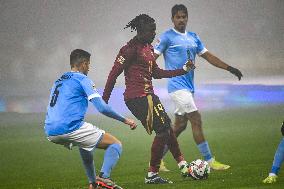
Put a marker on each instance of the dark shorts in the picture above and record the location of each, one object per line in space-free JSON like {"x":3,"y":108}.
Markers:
{"x":150,"y":111}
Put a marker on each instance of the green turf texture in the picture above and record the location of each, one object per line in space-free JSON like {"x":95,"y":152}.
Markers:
{"x":244,"y":138}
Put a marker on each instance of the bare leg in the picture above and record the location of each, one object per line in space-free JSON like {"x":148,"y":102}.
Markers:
{"x":196,"y":125}
{"x":180,"y":124}
{"x":198,"y":135}
{"x":107,"y":140}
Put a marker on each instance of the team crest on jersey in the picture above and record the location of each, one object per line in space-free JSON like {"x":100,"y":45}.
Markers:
{"x":120,"y":59}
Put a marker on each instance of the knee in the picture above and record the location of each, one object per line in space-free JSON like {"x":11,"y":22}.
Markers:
{"x":179,"y":129}
{"x":180,"y":124}
{"x":114,"y":140}
{"x":195,"y":118}
{"x":118,"y":142}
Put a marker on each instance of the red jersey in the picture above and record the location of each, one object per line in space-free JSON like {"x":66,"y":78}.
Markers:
{"x":137,"y":61}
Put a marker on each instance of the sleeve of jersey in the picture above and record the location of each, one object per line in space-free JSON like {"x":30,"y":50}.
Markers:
{"x":89,"y":88}
{"x":119,"y":64}
{"x":105,"y":109}
{"x":159,"y":73}
{"x":200,"y":47}
{"x":161,"y":45}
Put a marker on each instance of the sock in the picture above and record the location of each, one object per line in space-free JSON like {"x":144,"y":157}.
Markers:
{"x":158,"y":149}
{"x":278,"y":158}
{"x":150,"y":174}
{"x":88,"y":162}
{"x":111,"y":157}
{"x":157,"y":153}
{"x":182,"y":163}
{"x":173,"y":146}
{"x":166,"y":149}
{"x":205,"y":150}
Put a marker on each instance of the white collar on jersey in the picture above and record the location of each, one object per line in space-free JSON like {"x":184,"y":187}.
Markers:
{"x":179,"y":32}
{"x":75,"y":71}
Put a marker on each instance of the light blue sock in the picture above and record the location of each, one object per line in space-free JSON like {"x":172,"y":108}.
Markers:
{"x":278,"y":158}
{"x":111,"y":157}
{"x":88,"y":162}
{"x":205,"y":150}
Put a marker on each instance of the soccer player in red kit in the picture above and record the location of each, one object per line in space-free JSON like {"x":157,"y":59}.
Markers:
{"x":137,"y":61}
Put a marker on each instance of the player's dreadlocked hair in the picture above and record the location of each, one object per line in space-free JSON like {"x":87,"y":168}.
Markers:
{"x":139,"y":22}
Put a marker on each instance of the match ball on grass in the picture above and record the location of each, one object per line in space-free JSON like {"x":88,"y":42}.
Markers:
{"x":200,"y":169}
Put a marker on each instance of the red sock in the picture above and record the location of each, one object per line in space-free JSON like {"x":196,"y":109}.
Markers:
{"x":174,"y":146}
{"x":157,"y":152}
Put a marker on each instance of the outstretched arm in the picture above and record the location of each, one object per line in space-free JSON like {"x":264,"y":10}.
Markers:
{"x":215,"y":61}
{"x":122,"y":59}
{"x":111,"y":80}
{"x":105,"y":109}
{"x":159,"y":73}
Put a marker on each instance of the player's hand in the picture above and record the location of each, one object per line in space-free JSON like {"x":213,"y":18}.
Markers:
{"x":188,"y":66}
{"x":235,"y":71}
{"x":131,"y":123}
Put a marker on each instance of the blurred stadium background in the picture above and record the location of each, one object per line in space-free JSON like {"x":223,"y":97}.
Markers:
{"x":208,"y":97}
{"x":38,"y":36}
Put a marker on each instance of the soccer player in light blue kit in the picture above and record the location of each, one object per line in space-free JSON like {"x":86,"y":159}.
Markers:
{"x":64,"y":123}
{"x":177,"y":46}
{"x":278,"y":160}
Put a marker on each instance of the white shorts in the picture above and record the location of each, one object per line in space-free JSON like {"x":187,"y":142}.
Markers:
{"x":184,"y":102}
{"x":86,"y":137}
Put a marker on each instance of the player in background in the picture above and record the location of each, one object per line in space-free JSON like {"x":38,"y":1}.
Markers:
{"x":177,"y":46}
{"x":137,"y":61}
{"x":278,"y":160}
{"x":64,"y":123}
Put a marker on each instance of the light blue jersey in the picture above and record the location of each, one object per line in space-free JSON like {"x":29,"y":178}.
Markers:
{"x":68,"y":103}
{"x":177,"y":48}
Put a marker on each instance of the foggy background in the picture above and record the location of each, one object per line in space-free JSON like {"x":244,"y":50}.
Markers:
{"x":37,"y":36}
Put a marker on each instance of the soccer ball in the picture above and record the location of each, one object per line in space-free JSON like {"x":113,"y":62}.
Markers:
{"x":199,"y":169}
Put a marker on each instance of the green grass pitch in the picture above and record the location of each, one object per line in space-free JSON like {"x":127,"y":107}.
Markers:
{"x":244,"y":138}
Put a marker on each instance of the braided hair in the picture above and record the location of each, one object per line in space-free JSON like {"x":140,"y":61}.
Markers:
{"x":139,"y":22}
